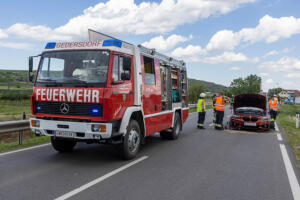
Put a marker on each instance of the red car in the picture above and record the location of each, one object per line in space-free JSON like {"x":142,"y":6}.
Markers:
{"x":250,"y":112}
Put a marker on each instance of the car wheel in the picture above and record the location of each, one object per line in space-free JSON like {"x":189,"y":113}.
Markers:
{"x":173,"y":135}
{"x":62,"y":145}
{"x":132,"y":140}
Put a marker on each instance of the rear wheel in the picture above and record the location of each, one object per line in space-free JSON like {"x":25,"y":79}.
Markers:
{"x":132,"y":140}
{"x":173,"y":135}
{"x":62,"y":145}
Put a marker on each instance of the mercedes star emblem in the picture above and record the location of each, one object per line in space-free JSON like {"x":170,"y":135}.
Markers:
{"x":64,"y":108}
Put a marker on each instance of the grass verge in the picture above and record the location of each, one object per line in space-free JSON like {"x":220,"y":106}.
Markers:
{"x":26,"y":143}
{"x":13,"y":110}
{"x":287,"y":120}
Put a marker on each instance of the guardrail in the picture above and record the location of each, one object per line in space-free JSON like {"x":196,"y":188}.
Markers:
{"x":15,"y":126}
{"x":24,"y":125}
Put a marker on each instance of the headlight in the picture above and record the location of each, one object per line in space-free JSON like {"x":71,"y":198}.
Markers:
{"x":265,"y":118}
{"x":98,"y":128}
{"x":35,"y":123}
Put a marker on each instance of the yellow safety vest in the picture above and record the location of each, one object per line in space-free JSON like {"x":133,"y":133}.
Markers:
{"x":201,"y":105}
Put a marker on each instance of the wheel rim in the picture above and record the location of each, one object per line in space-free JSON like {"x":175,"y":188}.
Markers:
{"x":133,"y":140}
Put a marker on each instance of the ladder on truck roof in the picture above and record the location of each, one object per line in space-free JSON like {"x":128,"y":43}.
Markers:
{"x":96,"y":36}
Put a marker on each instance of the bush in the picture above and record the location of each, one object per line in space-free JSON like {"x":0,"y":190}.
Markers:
{"x":14,"y":95}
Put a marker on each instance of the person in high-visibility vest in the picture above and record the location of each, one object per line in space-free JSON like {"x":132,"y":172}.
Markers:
{"x":273,"y":106}
{"x":201,"y":109}
{"x":220,"y":109}
{"x":214,"y":107}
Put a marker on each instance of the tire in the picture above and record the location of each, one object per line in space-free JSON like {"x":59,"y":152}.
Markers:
{"x":132,"y":140}
{"x":62,"y":145}
{"x":173,"y":135}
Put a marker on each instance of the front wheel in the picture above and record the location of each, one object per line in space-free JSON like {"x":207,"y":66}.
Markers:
{"x":62,"y":145}
{"x":132,"y":140}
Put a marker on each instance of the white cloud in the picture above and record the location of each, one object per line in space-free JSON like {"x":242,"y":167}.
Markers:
{"x":236,"y":68}
{"x":293,"y":75}
{"x":223,"y":40}
{"x":268,"y":30}
{"x":285,"y":64}
{"x":126,"y":17}
{"x":264,"y":74}
{"x":2,"y":34}
{"x":226,"y":57}
{"x":190,"y":53}
{"x":275,"y":52}
{"x":269,"y":80}
{"x":16,"y":45}
{"x":162,"y":44}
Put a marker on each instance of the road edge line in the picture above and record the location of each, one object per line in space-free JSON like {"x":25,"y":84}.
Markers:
{"x":23,"y":149}
{"x":290,"y":172}
{"x":98,"y":180}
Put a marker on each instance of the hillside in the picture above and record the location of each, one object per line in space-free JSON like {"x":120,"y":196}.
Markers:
{"x":12,"y":78}
{"x":208,"y":86}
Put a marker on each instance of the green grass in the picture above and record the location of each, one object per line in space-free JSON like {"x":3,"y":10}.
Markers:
{"x":287,"y":121}
{"x":13,"y":87}
{"x":13,"y":110}
{"x":26,"y":143}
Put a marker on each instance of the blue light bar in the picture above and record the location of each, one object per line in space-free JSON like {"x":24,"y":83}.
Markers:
{"x":116,"y":43}
{"x":50,"y":45}
{"x":39,"y":108}
{"x":95,"y":110}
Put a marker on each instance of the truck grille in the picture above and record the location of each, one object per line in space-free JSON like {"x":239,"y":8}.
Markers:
{"x":66,"y":108}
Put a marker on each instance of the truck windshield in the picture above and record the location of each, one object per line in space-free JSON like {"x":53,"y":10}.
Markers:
{"x":73,"y":68}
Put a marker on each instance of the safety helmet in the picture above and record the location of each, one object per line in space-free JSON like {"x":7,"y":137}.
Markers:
{"x":202,"y":95}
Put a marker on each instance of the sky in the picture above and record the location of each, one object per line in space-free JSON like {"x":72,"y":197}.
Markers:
{"x":220,"y":40}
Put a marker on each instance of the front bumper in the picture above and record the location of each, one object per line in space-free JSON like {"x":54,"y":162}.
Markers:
{"x":240,"y":124}
{"x":81,"y":130}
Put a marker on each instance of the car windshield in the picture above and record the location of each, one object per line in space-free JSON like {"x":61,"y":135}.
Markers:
{"x":249,"y":111}
{"x":76,"y":68}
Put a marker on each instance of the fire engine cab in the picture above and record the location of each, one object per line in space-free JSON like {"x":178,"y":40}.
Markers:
{"x":107,"y":91}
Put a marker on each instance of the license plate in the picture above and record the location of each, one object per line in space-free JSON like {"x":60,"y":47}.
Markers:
{"x":63,"y":134}
{"x":249,"y":124}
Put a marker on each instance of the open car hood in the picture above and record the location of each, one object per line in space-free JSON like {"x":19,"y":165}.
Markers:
{"x":250,"y":100}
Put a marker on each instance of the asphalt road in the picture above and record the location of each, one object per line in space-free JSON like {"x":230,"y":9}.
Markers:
{"x":201,"y":164}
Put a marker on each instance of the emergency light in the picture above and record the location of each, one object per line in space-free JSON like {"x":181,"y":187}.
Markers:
{"x":50,"y":45}
{"x":95,"y":110}
{"x":39,"y":108}
{"x":113,"y":42}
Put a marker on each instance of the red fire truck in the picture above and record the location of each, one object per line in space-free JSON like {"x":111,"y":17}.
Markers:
{"x":107,"y":91}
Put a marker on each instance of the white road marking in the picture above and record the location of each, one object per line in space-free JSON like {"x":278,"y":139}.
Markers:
{"x":211,"y":124}
{"x":100,"y":179}
{"x":276,"y":127}
{"x":279,"y":137}
{"x":290,"y":172}
{"x":25,"y":149}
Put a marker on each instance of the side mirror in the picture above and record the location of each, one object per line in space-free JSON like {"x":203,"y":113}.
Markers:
{"x":127,"y":64}
{"x":31,"y":77}
{"x":30,"y":64}
{"x":125,"y":77}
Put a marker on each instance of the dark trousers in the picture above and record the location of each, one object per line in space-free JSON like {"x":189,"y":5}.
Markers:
{"x":219,"y":117}
{"x":273,"y":114}
{"x":201,"y":118}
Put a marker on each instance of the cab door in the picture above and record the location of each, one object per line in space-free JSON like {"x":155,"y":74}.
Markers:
{"x":121,"y":84}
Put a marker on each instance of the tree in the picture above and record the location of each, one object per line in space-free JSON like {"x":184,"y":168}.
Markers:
{"x":194,"y":92}
{"x":273,"y":91}
{"x":249,"y":85}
